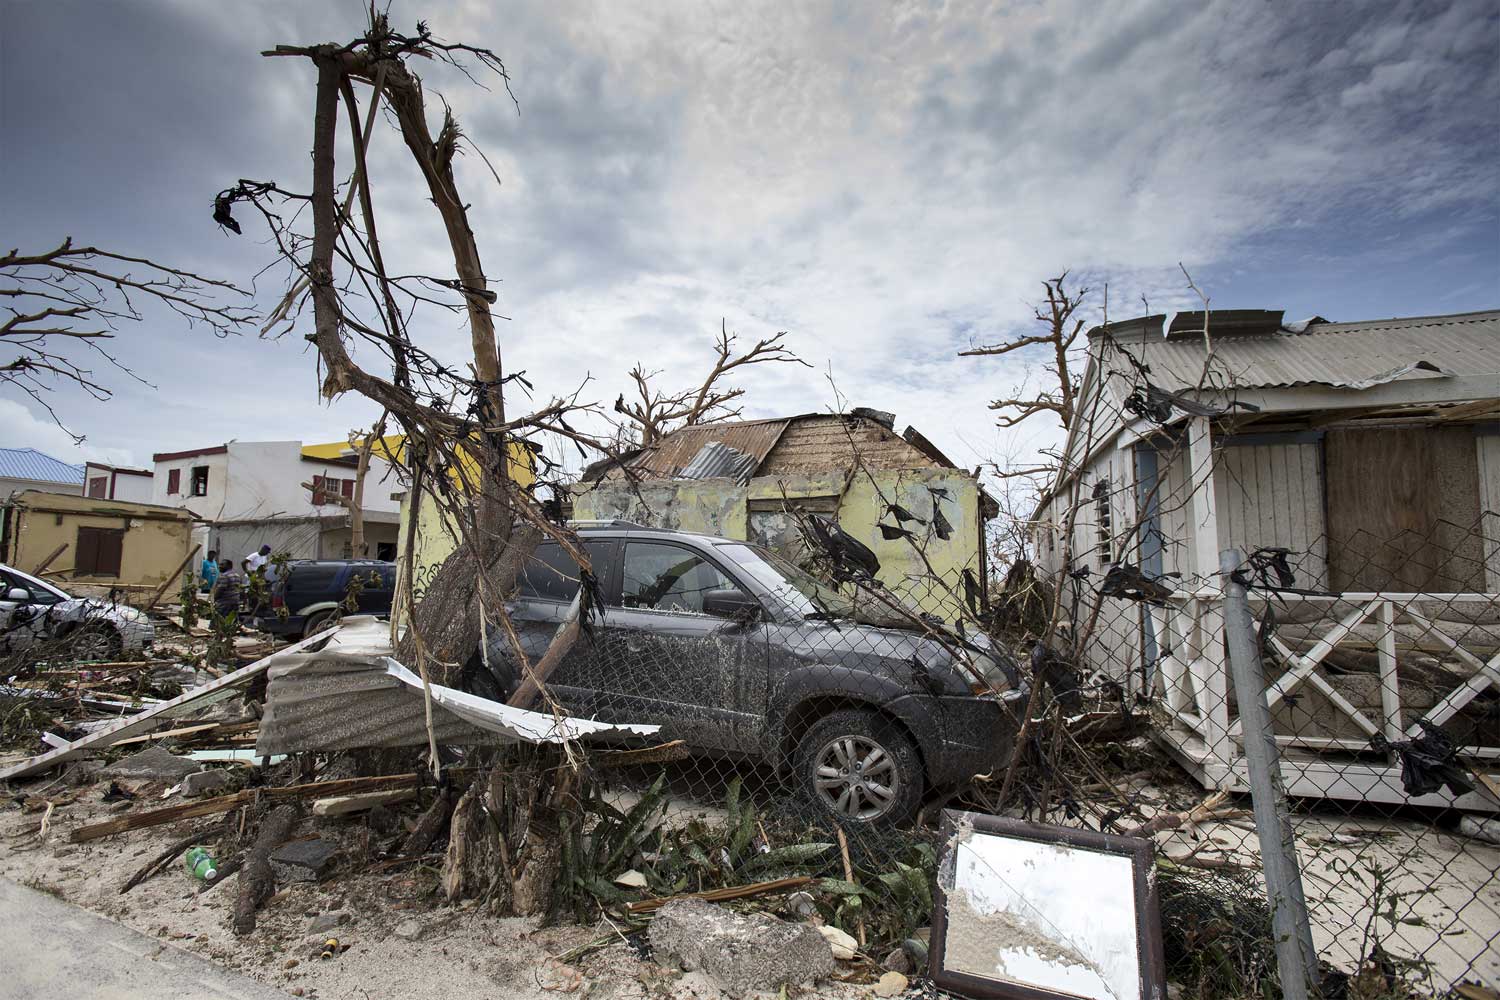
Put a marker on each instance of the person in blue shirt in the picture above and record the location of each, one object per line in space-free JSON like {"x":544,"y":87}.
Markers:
{"x":209,"y":571}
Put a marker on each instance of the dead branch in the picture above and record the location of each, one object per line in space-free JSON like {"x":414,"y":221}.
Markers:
{"x":257,"y":881}
{"x":1062,"y":330}
{"x":68,"y":301}
{"x":654,"y":411}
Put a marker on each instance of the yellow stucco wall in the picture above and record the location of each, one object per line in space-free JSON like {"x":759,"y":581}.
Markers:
{"x":724,"y":507}
{"x":436,"y":537}
{"x":156,"y":538}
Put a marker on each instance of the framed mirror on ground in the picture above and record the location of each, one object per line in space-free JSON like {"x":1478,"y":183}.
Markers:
{"x":1023,"y":911}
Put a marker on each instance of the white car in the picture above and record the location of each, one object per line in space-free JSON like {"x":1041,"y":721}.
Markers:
{"x":34,"y":613}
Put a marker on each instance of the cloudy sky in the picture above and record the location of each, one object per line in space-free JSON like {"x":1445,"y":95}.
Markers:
{"x":889,"y":183}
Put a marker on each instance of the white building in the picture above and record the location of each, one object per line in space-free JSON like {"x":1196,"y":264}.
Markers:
{"x":251,"y":493}
{"x":115,"y":482}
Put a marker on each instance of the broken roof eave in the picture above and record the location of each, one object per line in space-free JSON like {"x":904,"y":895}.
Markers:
{"x":1409,"y":386}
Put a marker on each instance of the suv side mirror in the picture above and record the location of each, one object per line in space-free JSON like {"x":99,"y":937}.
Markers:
{"x":733,"y":604}
{"x":19,"y":594}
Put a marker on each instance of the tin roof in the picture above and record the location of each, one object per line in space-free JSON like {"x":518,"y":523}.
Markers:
{"x":1264,"y":354}
{"x":28,"y":463}
{"x":675,"y":452}
{"x":806,"y":444}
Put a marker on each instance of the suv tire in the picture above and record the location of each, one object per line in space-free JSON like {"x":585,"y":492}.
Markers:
{"x":317,"y":622}
{"x":861,"y":768}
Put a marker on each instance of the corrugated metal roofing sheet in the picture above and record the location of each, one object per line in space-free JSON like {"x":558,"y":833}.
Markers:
{"x":677,"y":450}
{"x":717,"y":460}
{"x":28,"y":463}
{"x":1351,"y":355}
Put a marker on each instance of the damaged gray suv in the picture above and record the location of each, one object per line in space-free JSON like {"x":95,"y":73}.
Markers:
{"x":741,"y":654}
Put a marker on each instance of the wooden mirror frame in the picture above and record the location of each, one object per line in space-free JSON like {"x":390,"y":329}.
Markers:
{"x":1147,"y":914}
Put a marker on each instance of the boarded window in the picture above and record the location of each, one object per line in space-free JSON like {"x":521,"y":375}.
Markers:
{"x":174,"y":482}
{"x":98,"y":551}
{"x":1403,"y":507}
{"x":99,"y":487}
{"x":200,"y":481}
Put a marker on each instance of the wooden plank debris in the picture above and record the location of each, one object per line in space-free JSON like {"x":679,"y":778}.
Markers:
{"x":224,"y":803}
{"x":726,"y":894}
{"x":147,"y":720}
{"x":340,"y":805}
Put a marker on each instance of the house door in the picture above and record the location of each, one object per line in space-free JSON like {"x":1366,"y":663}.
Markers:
{"x":1403,"y":508}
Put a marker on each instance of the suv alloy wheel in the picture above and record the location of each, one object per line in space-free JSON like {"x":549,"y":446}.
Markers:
{"x":860,"y":768}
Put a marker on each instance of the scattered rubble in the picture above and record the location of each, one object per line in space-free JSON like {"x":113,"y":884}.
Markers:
{"x":741,"y":952}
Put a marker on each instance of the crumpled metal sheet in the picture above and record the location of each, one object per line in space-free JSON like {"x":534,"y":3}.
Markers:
{"x":353,"y":694}
{"x":717,"y":460}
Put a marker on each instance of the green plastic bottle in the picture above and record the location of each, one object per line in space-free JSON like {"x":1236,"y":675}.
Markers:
{"x":200,"y":864}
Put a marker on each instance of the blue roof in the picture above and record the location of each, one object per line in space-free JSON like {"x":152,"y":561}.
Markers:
{"x":28,"y":463}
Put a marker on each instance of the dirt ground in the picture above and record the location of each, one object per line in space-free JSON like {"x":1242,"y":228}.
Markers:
{"x":396,"y":941}
{"x":1439,"y":897}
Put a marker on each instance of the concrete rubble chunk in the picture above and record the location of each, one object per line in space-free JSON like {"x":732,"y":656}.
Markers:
{"x":408,"y":930}
{"x":303,"y":860}
{"x":204,"y":782}
{"x":742,"y":953}
{"x":156,"y":764}
{"x":890,"y":985}
{"x":326,"y":921}
{"x":844,"y":947}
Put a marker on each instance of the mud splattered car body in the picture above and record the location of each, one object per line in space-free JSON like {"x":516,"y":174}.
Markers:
{"x":742,"y":655}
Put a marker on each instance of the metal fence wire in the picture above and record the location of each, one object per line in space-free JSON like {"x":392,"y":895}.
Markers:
{"x":1384,"y":706}
{"x":819,"y":738}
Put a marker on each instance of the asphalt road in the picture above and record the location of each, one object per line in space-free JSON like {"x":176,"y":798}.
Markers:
{"x":51,"y":950}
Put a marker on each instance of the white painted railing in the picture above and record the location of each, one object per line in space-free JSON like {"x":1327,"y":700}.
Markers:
{"x":1190,"y":682}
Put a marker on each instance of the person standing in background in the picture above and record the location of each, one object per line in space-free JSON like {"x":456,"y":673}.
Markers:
{"x":208,"y":572}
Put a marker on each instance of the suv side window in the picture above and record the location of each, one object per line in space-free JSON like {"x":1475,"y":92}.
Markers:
{"x":668,"y":578}
{"x":552,"y":575}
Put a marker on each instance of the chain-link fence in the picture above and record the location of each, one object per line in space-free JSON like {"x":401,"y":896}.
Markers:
{"x":1384,"y":705}
{"x":817,"y":724}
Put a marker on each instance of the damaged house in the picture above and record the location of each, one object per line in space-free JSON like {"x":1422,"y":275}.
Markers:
{"x":251,"y":493}
{"x":1371,"y":452}
{"x":922,"y":516}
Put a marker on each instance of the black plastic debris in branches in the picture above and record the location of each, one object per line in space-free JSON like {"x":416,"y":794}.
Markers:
{"x":1128,"y":582}
{"x":848,"y":558}
{"x":1428,"y":762}
{"x":1050,"y":669}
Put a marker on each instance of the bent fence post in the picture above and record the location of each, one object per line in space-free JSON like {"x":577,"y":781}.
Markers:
{"x":1295,"y":956}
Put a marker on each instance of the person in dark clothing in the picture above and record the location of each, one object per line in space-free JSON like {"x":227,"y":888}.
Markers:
{"x":228,"y":589}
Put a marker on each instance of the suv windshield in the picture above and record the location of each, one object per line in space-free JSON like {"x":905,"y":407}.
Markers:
{"x":805,"y":593}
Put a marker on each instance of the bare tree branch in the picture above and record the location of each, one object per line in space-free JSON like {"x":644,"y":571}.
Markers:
{"x":66,"y":300}
{"x":654,"y":411}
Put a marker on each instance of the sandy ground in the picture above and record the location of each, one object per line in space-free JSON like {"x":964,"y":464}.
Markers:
{"x":440,"y":951}
{"x":1441,"y":888}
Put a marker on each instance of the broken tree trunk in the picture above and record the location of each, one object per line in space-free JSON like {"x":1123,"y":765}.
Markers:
{"x":257,"y":881}
{"x":429,"y":826}
{"x":446,"y":622}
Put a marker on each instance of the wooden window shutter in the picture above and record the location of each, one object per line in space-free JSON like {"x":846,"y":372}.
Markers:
{"x":318,"y":498}
{"x":347,"y":487}
{"x":111,"y":547}
{"x":174,"y":482}
{"x":98,"y":488}
{"x":86,"y":554}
